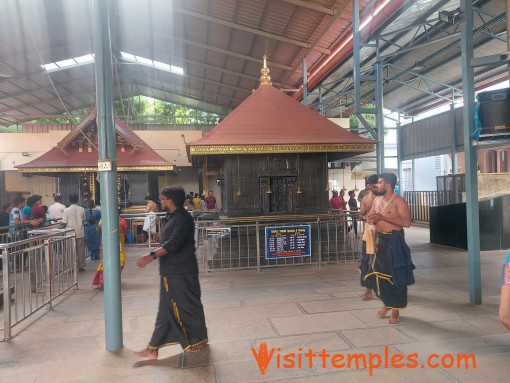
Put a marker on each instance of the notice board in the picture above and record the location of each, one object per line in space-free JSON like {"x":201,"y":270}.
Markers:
{"x":288,"y":241}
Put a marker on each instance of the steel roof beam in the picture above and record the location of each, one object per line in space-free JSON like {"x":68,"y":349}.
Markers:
{"x":312,"y":6}
{"x":450,"y":46}
{"x":255,"y":31}
{"x":45,"y":88}
{"x":503,"y":73}
{"x":417,"y":46}
{"x":181,"y":92}
{"x":298,"y":65}
{"x":225,"y":52}
{"x":213,"y":107}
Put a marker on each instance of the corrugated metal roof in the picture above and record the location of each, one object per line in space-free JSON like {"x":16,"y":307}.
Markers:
{"x":220,"y":44}
{"x":415,"y":80}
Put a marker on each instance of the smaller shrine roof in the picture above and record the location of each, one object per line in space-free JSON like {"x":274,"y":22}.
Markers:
{"x":269,"y":121}
{"x":77,"y":152}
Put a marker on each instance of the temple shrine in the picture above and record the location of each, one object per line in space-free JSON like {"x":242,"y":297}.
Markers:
{"x":73,"y":162}
{"x":271,"y":154}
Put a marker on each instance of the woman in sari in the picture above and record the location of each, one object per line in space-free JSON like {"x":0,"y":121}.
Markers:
{"x":93,"y":236}
{"x":123,"y":227}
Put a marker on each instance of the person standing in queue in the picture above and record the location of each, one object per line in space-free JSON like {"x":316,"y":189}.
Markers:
{"x":392,"y":265}
{"x":334,"y":202}
{"x":353,"y":210}
{"x":180,"y":317}
{"x":210,"y":201}
{"x":73,"y":218}
{"x":368,"y":238}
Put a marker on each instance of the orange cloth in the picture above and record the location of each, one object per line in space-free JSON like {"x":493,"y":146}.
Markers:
{"x":123,"y":228}
{"x":369,"y":238}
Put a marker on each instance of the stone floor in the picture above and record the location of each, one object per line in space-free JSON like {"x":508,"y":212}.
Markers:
{"x":290,"y":310}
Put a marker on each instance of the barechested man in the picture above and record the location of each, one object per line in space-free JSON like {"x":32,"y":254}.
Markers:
{"x":390,"y":214}
{"x":366,"y":257}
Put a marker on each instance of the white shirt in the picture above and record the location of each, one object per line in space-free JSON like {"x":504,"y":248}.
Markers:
{"x":56,"y":210}
{"x":73,"y":217}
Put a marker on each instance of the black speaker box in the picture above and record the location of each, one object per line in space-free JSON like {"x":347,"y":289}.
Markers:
{"x":494,"y":111}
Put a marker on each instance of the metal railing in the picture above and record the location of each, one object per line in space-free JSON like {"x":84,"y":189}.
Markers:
{"x":137,"y":222}
{"x":333,"y":238}
{"x":420,"y":201}
{"x":245,"y":246}
{"x":38,"y":266}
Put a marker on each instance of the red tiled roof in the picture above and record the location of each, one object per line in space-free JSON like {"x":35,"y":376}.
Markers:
{"x":138,"y":156}
{"x":270,"y":117}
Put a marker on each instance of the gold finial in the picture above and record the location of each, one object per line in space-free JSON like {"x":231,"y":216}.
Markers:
{"x":265,"y":79}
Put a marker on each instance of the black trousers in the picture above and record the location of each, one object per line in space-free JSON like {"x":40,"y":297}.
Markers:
{"x":180,"y":316}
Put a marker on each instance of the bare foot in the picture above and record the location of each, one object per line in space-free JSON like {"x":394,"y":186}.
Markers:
{"x":147,"y":353}
{"x":198,"y":348}
{"x":367,"y":295}
{"x":394,"y":318}
{"x":382,"y":312}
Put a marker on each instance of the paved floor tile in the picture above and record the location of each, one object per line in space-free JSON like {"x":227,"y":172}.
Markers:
{"x":376,"y":337}
{"x":316,"y":323}
{"x":298,"y":343}
{"x":288,"y":309}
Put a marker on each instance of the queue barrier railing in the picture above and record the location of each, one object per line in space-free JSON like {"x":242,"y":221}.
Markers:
{"x":38,"y":265}
{"x":151,"y":221}
{"x":332,"y":239}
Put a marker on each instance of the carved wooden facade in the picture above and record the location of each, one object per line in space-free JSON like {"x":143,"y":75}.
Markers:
{"x":273,"y":183}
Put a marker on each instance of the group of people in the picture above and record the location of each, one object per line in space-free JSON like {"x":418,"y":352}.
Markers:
{"x":197,"y":202}
{"x":338,"y":204}
{"x":18,"y":217}
{"x":386,"y":266}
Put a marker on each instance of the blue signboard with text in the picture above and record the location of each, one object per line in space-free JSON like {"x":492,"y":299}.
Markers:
{"x":288,"y":241}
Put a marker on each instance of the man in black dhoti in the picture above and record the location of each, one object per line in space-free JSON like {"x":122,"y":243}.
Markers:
{"x":180,"y":316}
{"x":392,"y":266}
{"x":367,"y":252}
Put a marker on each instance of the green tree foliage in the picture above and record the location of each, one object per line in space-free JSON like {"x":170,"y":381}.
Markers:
{"x":153,"y":110}
{"x":63,"y":120}
{"x":141,"y":108}
{"x":357,"y":127}
{"x":10,"y":129}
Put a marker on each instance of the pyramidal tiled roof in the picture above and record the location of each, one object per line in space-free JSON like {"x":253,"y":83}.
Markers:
{"x":72,"y":154}
{"x":270,"y":121}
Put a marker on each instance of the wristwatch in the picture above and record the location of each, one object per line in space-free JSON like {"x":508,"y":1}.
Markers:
{"x":153,"y":253}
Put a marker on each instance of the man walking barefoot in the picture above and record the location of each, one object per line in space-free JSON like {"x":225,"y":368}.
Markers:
{"x":180,"y":317}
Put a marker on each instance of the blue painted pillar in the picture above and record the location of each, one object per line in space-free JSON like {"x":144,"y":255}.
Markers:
{"x":399,"y":153}
{"x":305,"y":82}
{"x":470,"y":158}
{"x":108,"y":175}
{"x":379,"y":96}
